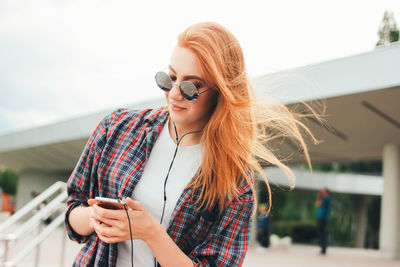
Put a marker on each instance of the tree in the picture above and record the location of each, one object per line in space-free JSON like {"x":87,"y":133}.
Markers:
{"x":388,"y":31}
{"x":8,"y":181}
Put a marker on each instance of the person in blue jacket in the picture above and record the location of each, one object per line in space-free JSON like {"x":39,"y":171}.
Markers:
{"x":322,"y":215}
{"x":263,"y":226}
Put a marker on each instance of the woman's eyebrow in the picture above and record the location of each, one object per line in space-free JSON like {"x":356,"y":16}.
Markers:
{"x":188,"y":77}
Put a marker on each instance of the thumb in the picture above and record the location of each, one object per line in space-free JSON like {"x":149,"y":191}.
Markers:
{"x":134,"y":205}
{"x":91,"y":202}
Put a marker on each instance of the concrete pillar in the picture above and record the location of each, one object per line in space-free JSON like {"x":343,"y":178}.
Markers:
{"x":389,"y":236}
{"x":361,"y":220}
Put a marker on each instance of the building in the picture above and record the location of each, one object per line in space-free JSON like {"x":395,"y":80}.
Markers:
{"x":361,"y":94}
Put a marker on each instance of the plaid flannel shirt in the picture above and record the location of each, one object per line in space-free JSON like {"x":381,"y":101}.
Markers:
{"x":111,"y":165}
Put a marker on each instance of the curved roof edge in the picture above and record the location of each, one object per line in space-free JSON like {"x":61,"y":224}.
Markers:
{"x":66,"y":130}
{"x":336,"y":182}
{"x":373,"y":70}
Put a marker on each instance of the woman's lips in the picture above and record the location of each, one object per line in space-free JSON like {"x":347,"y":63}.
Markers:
{"x":176,"y":108}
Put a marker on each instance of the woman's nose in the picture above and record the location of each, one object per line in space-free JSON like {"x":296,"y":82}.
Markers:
{"x":175,"y":92}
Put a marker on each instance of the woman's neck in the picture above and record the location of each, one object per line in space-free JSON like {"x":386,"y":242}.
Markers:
{"x":190,"y":139}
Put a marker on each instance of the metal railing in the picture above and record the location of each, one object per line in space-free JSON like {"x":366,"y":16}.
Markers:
{"x":38,"y":212}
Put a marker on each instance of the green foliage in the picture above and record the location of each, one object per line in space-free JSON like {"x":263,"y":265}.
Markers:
{"x":374,"y":209}
{"x":296,"y":205}
{"x":299,"y":206}
{"x":304,"y":231}
{"x":299,"y":231}
{"x":293,"y":214}
{"x":341,"y":220}
{"x":8,"y":181}
{"x":388,"y":31}
{"x":394,"y":36}
{"x":366,"y":167}
{"x":281,"y":228}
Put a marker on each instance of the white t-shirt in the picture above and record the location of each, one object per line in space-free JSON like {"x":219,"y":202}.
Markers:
{"x":150,"y":190}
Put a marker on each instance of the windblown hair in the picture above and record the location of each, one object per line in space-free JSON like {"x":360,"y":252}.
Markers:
{"x":237,"y":137}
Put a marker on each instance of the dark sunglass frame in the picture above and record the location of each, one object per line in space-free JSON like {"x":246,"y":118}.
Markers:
{"x":188,"y":90}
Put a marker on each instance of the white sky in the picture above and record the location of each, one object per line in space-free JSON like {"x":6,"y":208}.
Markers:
{"x":61,"y":59}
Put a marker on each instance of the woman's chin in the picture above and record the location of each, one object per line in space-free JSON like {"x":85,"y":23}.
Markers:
{"x":175,"y":118}
{"x":177,"y":114}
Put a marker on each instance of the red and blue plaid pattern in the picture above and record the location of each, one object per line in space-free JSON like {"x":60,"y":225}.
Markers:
{"x":111,"y":165}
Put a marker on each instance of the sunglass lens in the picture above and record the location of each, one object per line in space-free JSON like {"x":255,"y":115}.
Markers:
{"x":163,"y":81}
{"x":189,"y":91}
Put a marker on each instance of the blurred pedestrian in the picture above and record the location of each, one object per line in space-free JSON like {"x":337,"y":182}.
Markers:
{"x":263,"y":226}
{"x":322,"y":215}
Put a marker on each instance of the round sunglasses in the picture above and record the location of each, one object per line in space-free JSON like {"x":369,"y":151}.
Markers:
{"x":188,"y":90}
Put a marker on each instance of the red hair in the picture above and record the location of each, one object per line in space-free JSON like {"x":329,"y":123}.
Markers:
{"x":235,"y":137}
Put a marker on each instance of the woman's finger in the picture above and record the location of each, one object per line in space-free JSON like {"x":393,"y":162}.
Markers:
{"x":102,"y":213}
{"x":135,"y":205}
{"x":120,"y":224}
{"x":109,"y":234}
{"x":109,"y":240}
{"x":98,"y":222}
{"x":104,"y":229}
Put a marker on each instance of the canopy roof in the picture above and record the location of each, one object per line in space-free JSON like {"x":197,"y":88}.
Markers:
{"x":361,"y":94}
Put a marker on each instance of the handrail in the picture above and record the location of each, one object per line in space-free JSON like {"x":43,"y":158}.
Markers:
{"x":32,"y":204}
{"x":36,"y":241}
{"x":58,"y":195}
{"x":35,"y":220}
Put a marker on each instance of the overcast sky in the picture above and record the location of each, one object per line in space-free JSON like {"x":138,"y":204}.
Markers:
{"x":61,"y":59}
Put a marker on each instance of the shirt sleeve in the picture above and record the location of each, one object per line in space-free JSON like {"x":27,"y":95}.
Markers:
{"x":228,"y":240}
{"x":83,"y":178}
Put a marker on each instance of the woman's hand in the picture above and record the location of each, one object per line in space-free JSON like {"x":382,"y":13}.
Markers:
{"x":112,"y":225}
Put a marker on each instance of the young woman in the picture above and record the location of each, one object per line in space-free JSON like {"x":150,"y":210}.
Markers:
{"x":186,"y":169}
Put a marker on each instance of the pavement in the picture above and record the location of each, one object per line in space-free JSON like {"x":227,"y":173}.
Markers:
{"x":295,"y":255}
{"x":307,"y":255}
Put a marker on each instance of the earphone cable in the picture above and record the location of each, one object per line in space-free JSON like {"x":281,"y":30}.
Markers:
{"x":130,"y":232}
{"x":178,"y":141}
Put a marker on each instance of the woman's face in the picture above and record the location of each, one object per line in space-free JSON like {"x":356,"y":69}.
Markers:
{"x":189,"y":116}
